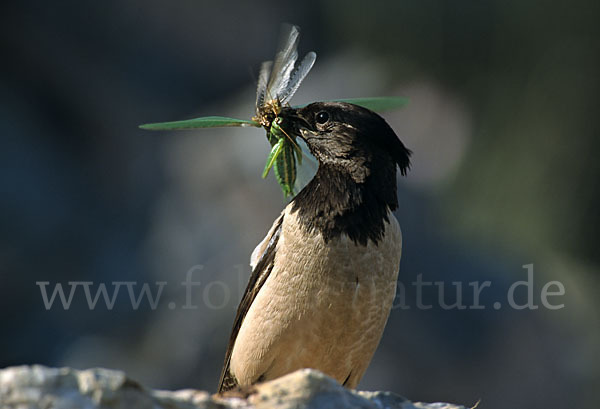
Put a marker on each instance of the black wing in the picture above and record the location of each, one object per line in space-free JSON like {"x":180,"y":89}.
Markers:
{"x":259,"y":275}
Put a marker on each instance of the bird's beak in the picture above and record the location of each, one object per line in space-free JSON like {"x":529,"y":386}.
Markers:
{"x":300,"y":125}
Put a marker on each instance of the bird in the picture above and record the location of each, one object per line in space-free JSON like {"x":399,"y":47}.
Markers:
{"x":324,"y":277}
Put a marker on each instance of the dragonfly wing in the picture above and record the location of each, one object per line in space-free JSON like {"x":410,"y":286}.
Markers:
{"x":297,"y":77}
{"x":204,"y":122}
{"x":261,"y":88}
{"x":284,"y":62}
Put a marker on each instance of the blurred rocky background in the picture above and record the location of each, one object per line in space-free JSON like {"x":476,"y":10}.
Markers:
{"x":504,"y":128}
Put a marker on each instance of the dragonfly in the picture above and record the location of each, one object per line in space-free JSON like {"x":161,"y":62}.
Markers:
{"x":278,"y":81}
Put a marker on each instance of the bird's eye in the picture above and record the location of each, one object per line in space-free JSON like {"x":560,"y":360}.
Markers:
{"x":322,"y":117}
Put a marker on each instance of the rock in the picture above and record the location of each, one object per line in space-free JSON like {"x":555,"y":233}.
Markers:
{"x":33,"y":387}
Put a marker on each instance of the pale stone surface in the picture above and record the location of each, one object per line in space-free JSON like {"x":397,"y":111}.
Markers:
{"x":33,"y":387}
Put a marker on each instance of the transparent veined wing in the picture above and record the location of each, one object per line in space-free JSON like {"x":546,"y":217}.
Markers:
{"x":297,"y":77}
{"x":284,"y":62}
{"x":261,"y":87}
{"x":204,"y":122}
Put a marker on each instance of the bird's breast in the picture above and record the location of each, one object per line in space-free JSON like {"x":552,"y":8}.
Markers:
{"x":323,"y":306}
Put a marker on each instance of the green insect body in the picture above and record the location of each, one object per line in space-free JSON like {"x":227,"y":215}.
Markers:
{"x":284,"y":153}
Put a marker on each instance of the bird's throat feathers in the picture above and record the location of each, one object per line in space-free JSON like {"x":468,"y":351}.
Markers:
{"x":342,"y":199}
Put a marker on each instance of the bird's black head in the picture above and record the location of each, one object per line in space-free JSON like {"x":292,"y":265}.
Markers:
{"x":349,"y":136}
{"x":355,"y":185}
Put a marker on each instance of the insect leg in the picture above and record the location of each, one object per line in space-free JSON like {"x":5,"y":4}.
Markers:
{"x":272,"y":157}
